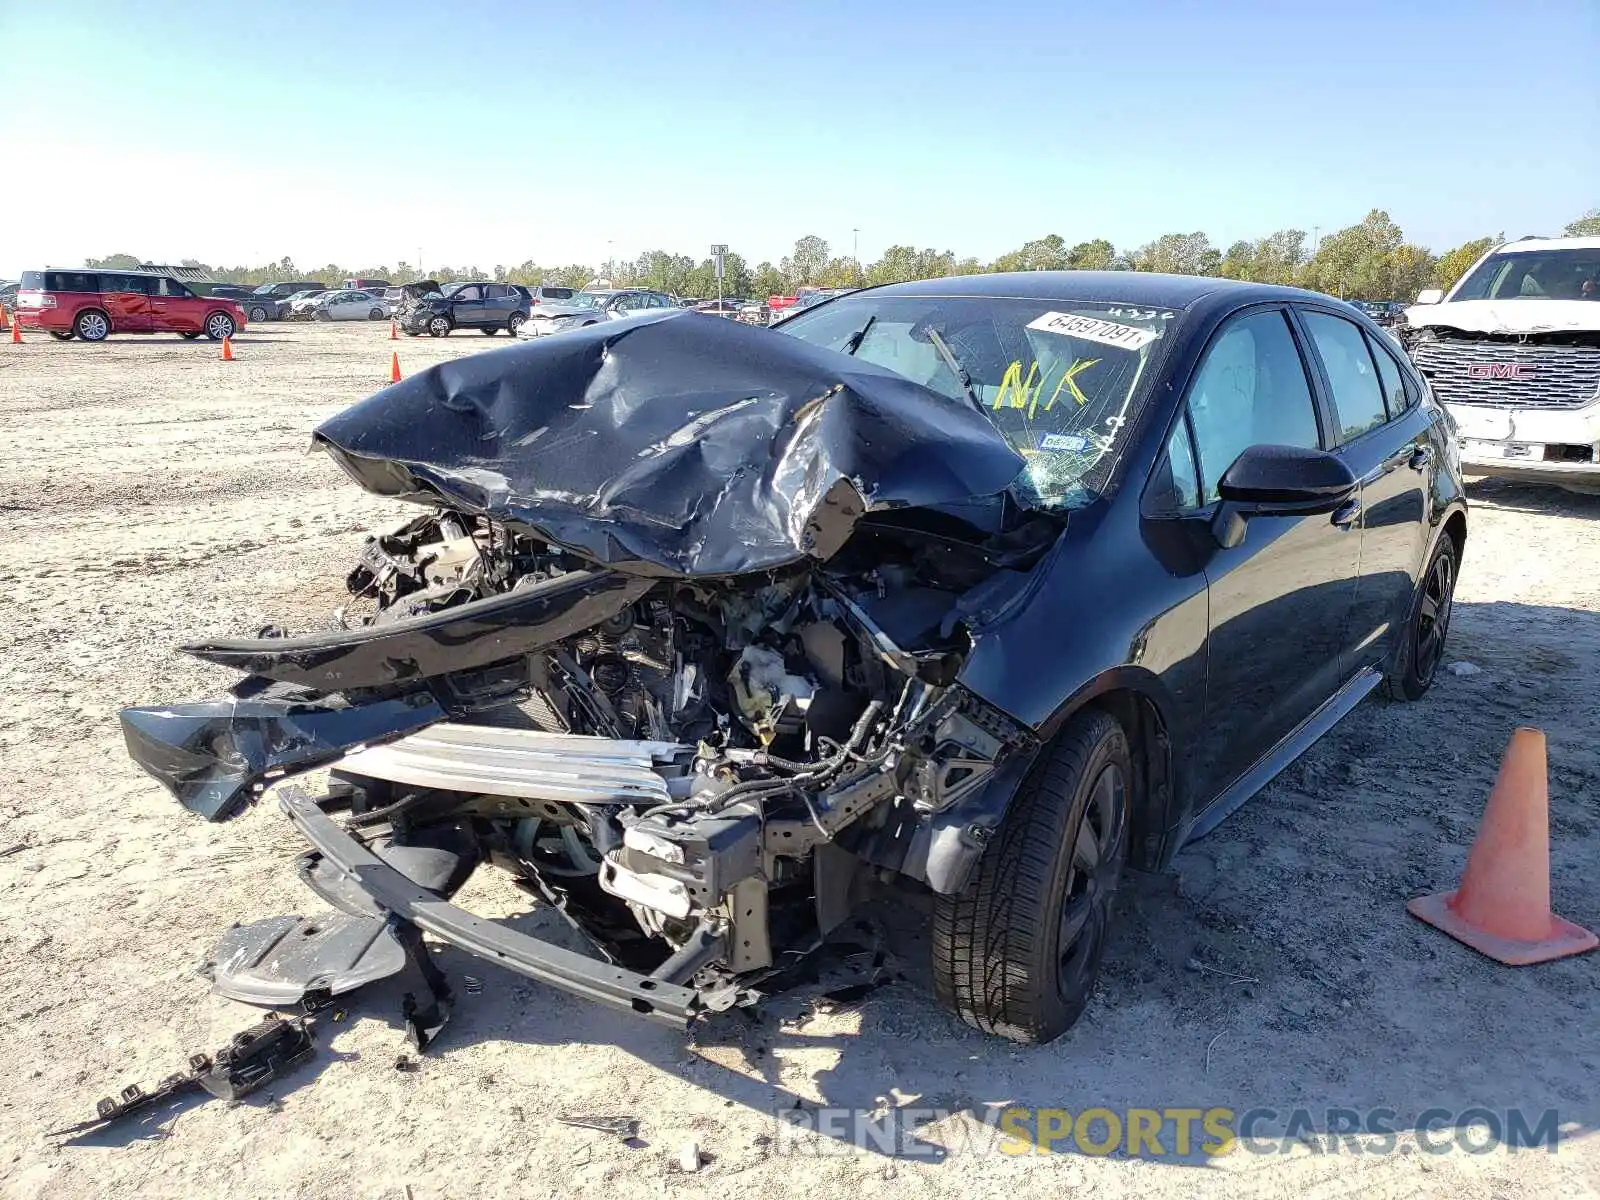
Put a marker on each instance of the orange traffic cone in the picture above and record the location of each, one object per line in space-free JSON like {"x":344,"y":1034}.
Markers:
{"x":1502,"y":908}
{"x":394,"y":331}
{"x":394,"y":367}
{"x":227,"y":349}
{"x":16,"y":331}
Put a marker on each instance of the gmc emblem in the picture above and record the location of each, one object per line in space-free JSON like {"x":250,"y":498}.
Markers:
{"x":1499,"y":371}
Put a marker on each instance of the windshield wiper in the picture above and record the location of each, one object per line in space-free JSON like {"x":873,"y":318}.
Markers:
{"x":853,"y":342}
{"x":956,"y":368}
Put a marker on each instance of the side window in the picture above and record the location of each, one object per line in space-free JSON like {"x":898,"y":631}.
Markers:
{"x":469,"y":293}
{"x":1182,"y":480}
{"x":498,"y":291}
{"x":138,"y":284}
{"x":171,"y":287}
{"x":1250,"y":389}
{"x":1357,"y":398}
{"x":1389,"y":376}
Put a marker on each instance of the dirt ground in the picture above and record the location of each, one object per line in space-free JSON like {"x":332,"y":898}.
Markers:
{"x":152,"y":493}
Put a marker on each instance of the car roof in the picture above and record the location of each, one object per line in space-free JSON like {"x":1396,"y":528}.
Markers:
{"x":1128,"y":287}
{"x":153,"y":273}
{"x":1527,"y":245}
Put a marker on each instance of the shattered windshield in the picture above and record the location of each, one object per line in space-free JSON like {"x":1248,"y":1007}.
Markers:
{"x":1535,"y":275}
{"x":1059,"y":379}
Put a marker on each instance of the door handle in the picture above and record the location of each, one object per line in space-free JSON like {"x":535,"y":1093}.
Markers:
{"x":1421,"y":457}
{"x":1344,"y":516}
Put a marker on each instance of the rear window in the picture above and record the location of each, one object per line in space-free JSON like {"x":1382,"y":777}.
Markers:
{"x":556,"y":293}
{"x":71,"y":281}
{"x":32,"y":281}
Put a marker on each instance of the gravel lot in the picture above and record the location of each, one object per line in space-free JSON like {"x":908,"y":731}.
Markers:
{"x":153,"y":493}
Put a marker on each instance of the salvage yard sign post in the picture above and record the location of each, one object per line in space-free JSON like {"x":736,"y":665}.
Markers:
{"x":717,"y":253}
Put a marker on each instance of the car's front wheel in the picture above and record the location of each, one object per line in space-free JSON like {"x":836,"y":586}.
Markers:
{"x":220,"y":325}
{"x":258,"y":313}
{"x":92,"y":325}
{"x":1421,"y":648}
{"x":375,"y":314}
{"x":438,"y":326}
{"x":1017,"y":953}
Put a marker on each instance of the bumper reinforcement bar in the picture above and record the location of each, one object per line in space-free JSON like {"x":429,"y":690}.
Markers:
{"x":655,"y":999}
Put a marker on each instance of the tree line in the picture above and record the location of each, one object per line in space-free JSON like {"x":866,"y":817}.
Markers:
{"x":1370,"y":260}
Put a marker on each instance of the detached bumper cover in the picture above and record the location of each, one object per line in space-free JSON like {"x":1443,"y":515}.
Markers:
{"x":590,"y":978}
{"x":214,"y":754}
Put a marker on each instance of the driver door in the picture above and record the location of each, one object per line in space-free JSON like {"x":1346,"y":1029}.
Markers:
{"x":467,"y":305}
{"x":1281,"y":602}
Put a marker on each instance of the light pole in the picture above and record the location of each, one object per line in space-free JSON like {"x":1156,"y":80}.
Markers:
{"x":855,"y":251}
{"x":611,"y":263}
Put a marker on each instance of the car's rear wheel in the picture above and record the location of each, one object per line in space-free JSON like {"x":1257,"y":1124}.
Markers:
{"x":258,"y":313}
{"x":375,"y":314}
{"x":220,"y":325}
{"x":1018,"y":952}
{"x":438,"y":326}
{"x":515,"y":324}
{"x":61,"y":336}
{"x":1421,"y":648}
{"x":92,"y":325}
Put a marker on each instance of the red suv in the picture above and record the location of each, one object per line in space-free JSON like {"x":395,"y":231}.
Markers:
{"x":91,"y":304}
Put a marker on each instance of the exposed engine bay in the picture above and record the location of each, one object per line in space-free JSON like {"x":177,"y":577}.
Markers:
{"x":814,"y":708}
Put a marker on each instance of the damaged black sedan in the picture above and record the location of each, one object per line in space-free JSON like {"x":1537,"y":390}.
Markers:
{"x":986,"y":587}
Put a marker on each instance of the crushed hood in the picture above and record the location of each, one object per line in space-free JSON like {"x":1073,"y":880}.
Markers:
{"x":1508,"y":316}
{"x":671,"y":444}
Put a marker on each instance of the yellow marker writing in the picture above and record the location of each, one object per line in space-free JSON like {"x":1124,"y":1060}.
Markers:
{"x":1020,"y":389}
{"x":1071,"y":384}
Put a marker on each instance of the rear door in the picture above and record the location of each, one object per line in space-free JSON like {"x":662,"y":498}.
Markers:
{"x":126,"y":299}
{"x":498,"y":304}
{"x":1382,"y":432}
{"x":1281,"y":599}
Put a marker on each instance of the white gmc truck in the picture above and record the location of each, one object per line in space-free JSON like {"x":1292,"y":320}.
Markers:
{"x":1513,"y":352}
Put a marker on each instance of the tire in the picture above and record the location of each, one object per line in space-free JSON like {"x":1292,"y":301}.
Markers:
{"x":220,"y":325}
{"x":1421,"y":648}
{"x":322,"y":314}
{"x":92,"y":325}
{"x":257,"y":313}
{"x":60,"y":336}
{"x":515,"y":324}
{"x":998,"y":961}
{"x":439,"y":326}
{"x":375,"y":315}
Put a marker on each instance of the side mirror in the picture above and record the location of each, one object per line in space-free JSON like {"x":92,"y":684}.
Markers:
{"x":1279,"y":481}
{"x":1430,"y":296}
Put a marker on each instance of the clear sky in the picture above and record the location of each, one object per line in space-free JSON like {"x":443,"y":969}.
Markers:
{"x":496,"y":133}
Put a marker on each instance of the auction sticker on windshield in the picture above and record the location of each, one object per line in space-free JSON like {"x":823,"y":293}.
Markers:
{"x":1092,"y":329}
